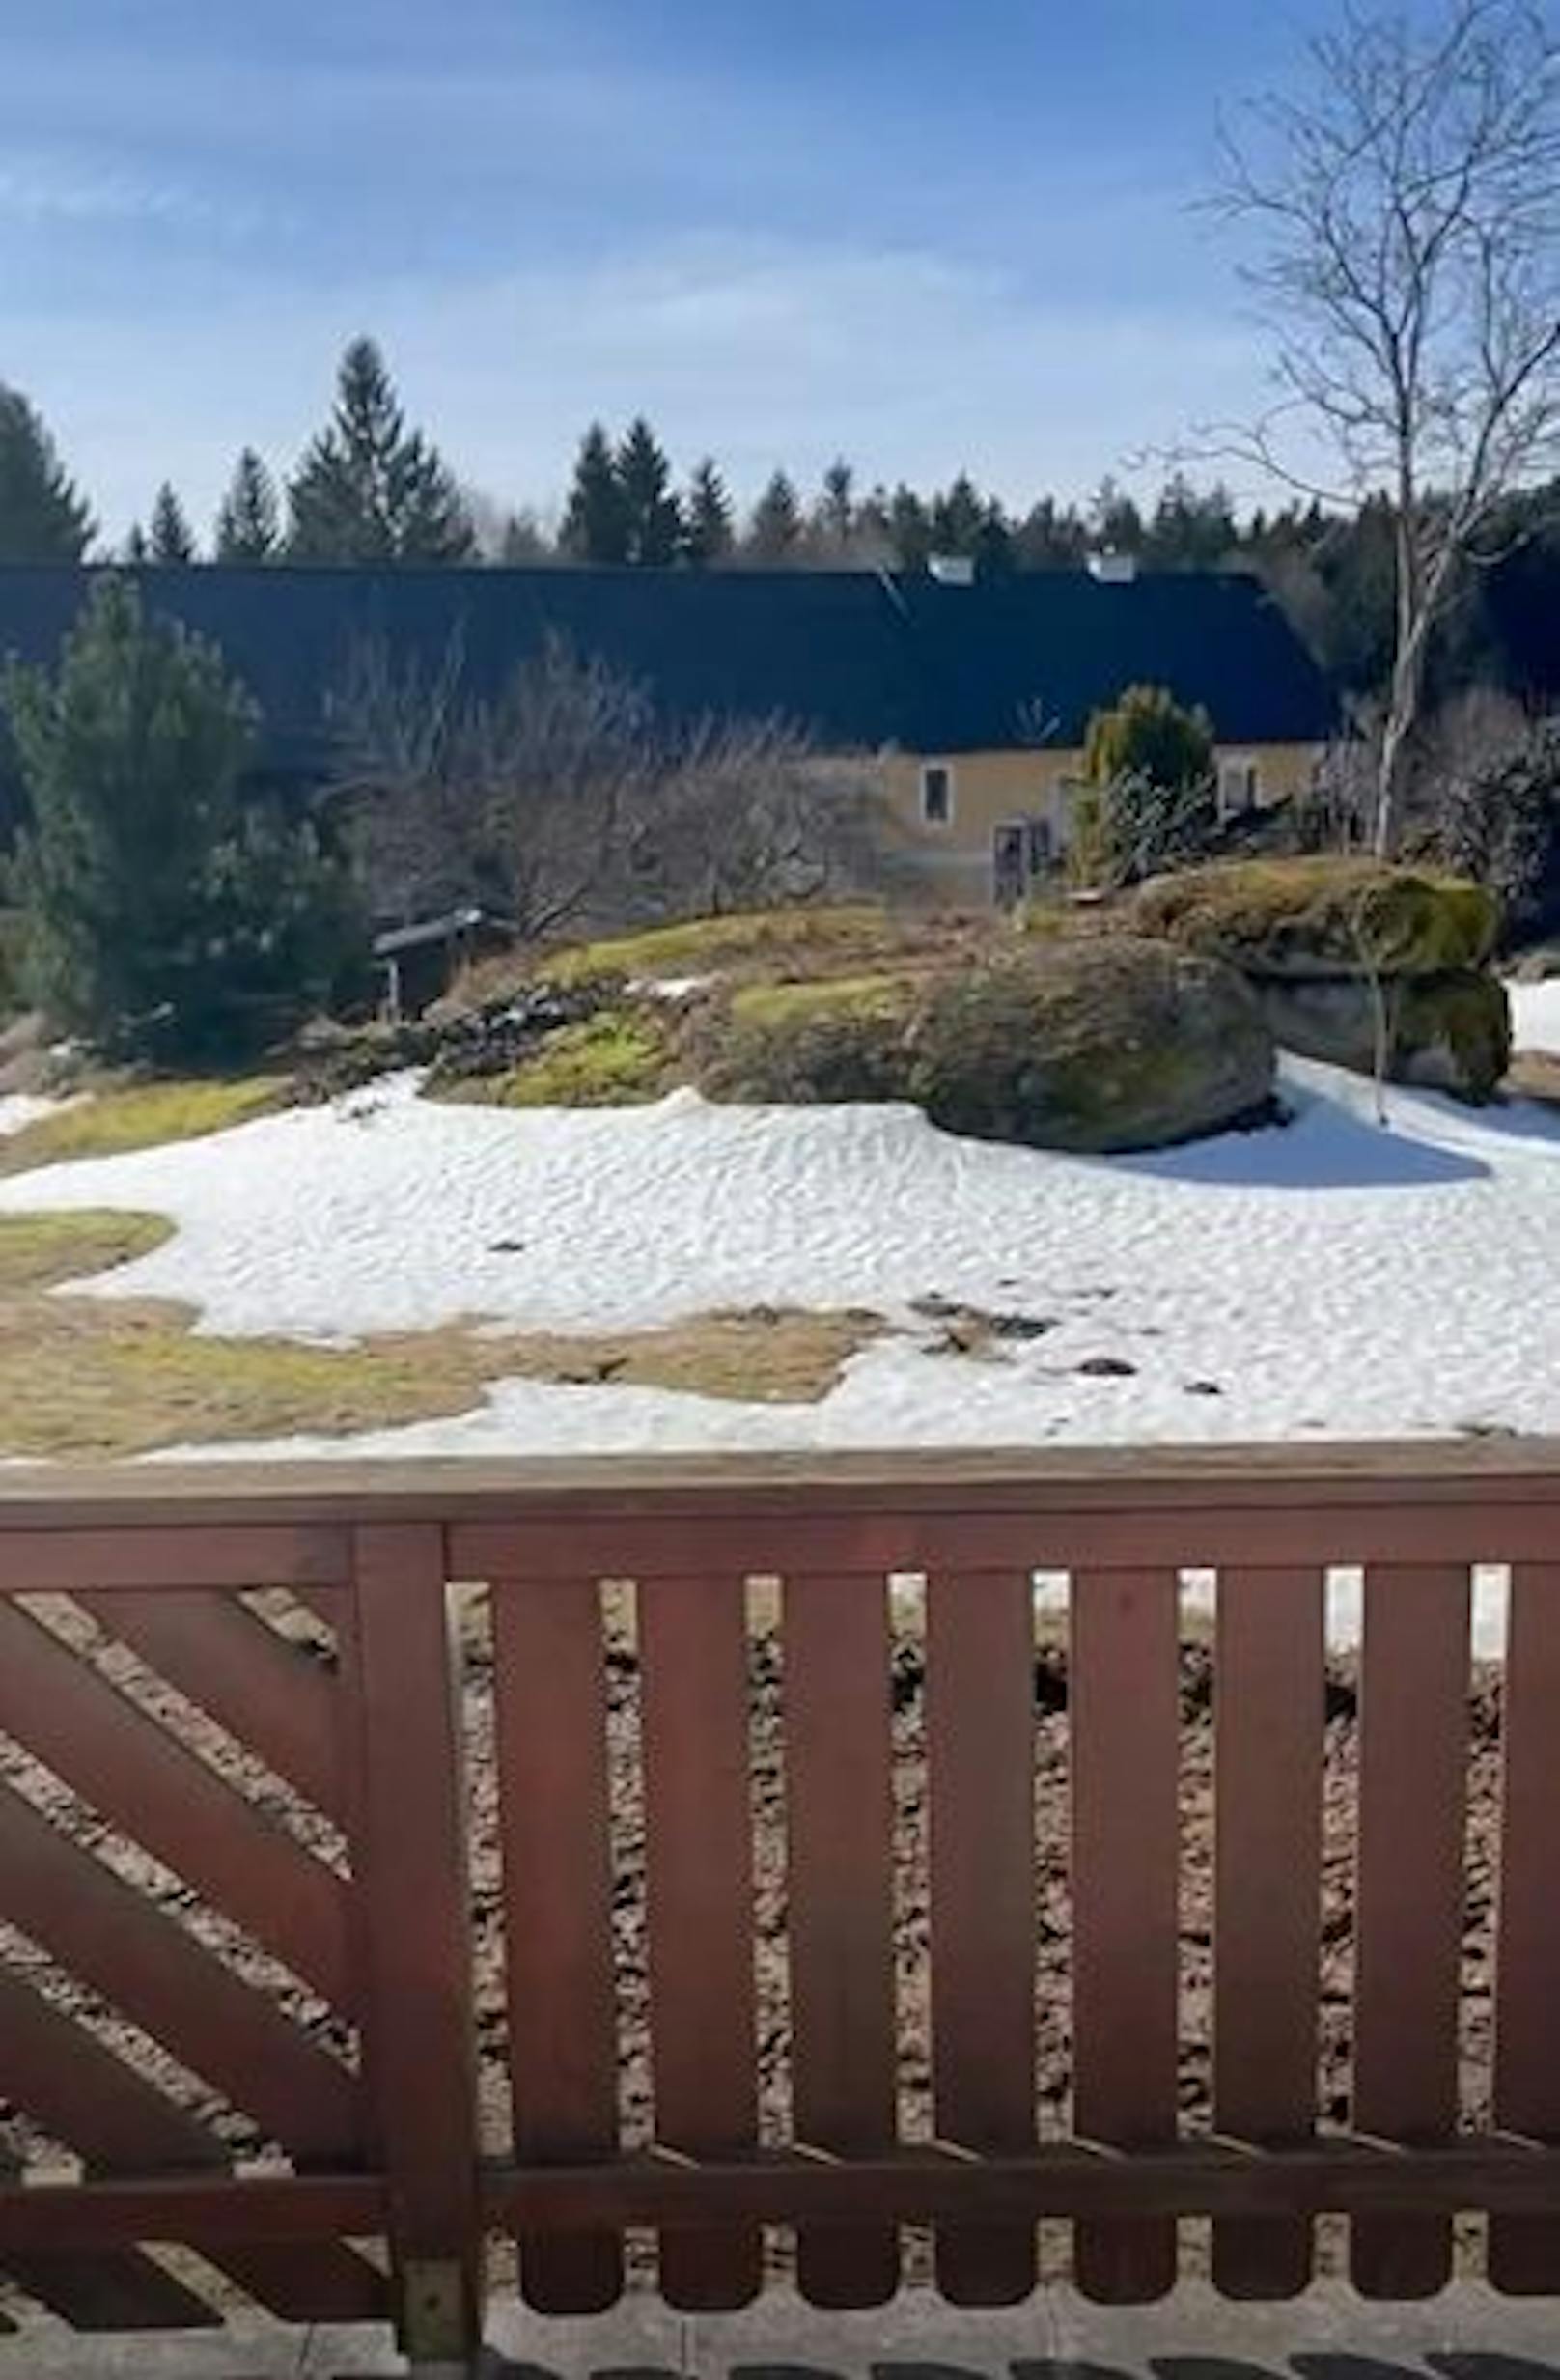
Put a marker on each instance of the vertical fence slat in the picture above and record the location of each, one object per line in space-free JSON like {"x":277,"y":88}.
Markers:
{"x":840,"y":1894}
{"x":1123,"y":1698}
{"x":699,"y":1874}
{"x":1524,"y":2251}
{"x":410,"y":1869}
{"x":1408,"y":1922}
{"x":980,"y":1697}
{"x":552,"y":1715}
{"x":1269,"y":1710}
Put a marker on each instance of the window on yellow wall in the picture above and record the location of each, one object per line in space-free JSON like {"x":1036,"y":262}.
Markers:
{"x":936,"y":795}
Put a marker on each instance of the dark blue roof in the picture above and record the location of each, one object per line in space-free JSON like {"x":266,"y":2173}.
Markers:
{"x":861,"y":659}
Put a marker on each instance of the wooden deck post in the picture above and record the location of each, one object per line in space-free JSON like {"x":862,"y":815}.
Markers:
{"x":411,"y":1868}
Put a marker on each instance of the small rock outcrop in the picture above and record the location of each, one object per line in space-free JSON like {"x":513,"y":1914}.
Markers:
{"x":1337,"y":950}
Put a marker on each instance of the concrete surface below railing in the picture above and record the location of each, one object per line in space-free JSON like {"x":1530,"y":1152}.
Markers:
{"x":1330,"y":2333}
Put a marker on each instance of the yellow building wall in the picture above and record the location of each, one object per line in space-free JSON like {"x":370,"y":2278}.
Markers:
{"x":993,"y":788}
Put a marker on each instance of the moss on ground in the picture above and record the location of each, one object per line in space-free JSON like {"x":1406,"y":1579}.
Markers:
{"x":615,"y":1059}
{"x":126,"y":1116}
{"x":796,"y":1004}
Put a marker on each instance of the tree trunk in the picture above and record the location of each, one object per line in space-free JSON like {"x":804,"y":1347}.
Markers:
{"x":1392,"y":770}
{"x":1416,"y":603}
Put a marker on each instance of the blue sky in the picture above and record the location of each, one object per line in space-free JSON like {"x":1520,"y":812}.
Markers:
{"x":923,"y":233}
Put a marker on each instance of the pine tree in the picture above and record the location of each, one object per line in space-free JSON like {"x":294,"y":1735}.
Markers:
{"x":708,"y":533}
{"x":166,"y":914}
{"x":910,"y":527}
{"x":248,"y":524}
{"x":993,"y":547}
{"x":1117,"y":521}
{"x":137,"y":546}
{"x":171,"y":539}
{"x":774,"y":530}
{"x":654,"y":516}
{"x":523,"y":544}
{"x":370,"y":490}
{"x":837,"y":507}
{"x":1050,"y":537}
{"x":959,"y":518}
{"x":596,"y":519}
{"x":43,"y":517}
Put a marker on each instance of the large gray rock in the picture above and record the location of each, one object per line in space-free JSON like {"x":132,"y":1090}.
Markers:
{"x":1446,"y":1033}
{"x":1093,"y":1045}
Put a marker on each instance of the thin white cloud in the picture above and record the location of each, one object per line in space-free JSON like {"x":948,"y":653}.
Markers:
{"x":54,"y":189}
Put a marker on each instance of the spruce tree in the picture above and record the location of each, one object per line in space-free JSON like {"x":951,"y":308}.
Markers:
{"x":523,"y":543}
{"x":171,"y":539}
{"x":837,"y":506}
{"x":369,"y":490}
{"x":654,"y":517}
{"x":43,"y":517}
{"x":1117,"y":521}
{"x":707,"y":530}
{"x":248,"y":524}
{"x":137,"y":546}
{"x":596,"y":519}
{"x":957,"y":517}
{"x":994,"y":549}
{"x":774,"y":530}
{"x":910,"y":529}
{"x":166,"y":914}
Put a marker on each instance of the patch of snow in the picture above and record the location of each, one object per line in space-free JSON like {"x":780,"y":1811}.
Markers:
{"x":1328,"y":1279}
{"x":19,"y":1108}
{"x":1535,"y":1015}
{"x":671,"y":987}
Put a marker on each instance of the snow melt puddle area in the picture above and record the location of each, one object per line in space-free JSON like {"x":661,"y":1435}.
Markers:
{"x":1329,"y":1278}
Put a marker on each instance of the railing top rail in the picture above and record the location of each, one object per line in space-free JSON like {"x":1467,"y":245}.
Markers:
{"x":1327,"y":1475}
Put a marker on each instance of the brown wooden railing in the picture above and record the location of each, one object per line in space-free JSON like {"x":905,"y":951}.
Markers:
{"x":336,"y":1939}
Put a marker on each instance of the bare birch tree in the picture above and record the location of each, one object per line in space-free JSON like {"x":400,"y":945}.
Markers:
{"x":1407,"y":211}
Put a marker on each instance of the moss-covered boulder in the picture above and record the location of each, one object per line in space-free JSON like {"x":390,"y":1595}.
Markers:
{"x":1445,"y":1032}
{"x":1092,"y":1047}
{"x":806,"y":1044}
{"x":1323,"y":918}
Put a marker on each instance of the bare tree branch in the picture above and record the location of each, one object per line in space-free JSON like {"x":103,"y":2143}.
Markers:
{"x":567,"y":800}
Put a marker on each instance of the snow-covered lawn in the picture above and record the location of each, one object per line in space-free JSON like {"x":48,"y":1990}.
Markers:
{"x":1326,"y":1279}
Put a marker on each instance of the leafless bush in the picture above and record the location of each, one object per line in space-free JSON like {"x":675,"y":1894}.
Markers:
{"x":747,"y":813}
{"x":567,"y":801}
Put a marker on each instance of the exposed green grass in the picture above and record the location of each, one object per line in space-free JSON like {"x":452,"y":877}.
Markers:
{"x":716,"y":943}
{"x":141,"y":1115}
{"x":85,"y":1378}
{"x":40,"y":1251}
{"x":611,"y":1060}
